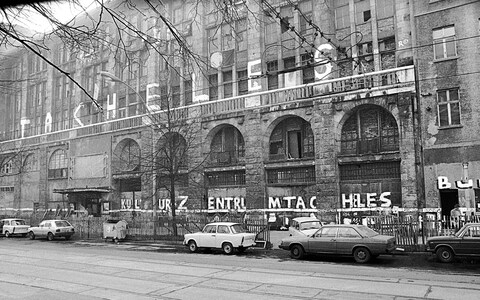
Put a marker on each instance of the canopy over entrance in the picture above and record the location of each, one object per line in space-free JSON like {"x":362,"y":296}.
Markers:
{"x":87,"y":200}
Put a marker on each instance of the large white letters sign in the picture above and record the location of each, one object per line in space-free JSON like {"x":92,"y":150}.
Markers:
{"x":370,"y":200}
{"x":324,"y":67}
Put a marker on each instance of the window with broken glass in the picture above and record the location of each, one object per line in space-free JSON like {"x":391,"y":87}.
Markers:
{"x":292,"y":139}
{"x":369,"y":130}
{"x":228,"y":146}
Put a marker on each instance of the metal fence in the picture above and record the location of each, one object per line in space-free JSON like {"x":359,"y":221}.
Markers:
{"x":161,"y":228}
{"x":412,"y":234}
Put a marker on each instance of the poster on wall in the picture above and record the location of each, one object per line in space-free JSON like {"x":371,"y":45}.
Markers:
{"x":254,"y":69}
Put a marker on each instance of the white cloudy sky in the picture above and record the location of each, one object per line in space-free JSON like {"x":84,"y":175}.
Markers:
{"x":63,"y":10}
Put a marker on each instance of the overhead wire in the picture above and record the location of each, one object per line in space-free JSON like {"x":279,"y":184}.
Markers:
{"x":405,"y":82}
{"x":395,"y":50}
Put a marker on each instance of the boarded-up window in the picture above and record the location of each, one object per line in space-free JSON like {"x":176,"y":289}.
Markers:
{"x":92,"y":166}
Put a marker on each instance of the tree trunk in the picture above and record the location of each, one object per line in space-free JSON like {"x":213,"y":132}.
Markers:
{"x":173,"y":205}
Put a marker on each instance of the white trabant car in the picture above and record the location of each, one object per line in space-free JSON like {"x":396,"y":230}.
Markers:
{"x":51,"y":229}
{"x":227,"y":236}
{"x":10,"y":227}
{"x":304,"y":226}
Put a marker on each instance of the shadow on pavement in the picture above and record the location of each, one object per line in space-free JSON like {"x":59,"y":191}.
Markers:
{"x":415,"y":260}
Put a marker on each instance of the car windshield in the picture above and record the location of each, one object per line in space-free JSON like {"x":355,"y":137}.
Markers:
{"x":366,"y":232}
{"x":18,"y":222}
{"x":310,"y":225}
{"x":62,"y":223}
{"x":237,"y":228}
{"x":468,"y":231}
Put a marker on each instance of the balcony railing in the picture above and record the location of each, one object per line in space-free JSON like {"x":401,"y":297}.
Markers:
{"x":398,"y":77}
{"x":227,"y":157}
{"x":392,"y":78}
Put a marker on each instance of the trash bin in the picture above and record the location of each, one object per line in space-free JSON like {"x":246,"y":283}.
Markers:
{"x":115,"y":230}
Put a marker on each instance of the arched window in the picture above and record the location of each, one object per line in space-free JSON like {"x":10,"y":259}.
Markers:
{"x":127,"y":156}
{"x":292,"y":139}
{"x":58,"y":165}
{"x":227,"y":146}
{"x":30,"y":163}
{"x":370,"y":129}
{"x":7,"y":166}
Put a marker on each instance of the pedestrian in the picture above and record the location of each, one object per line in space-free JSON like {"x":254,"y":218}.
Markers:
{"x":455,"y":212}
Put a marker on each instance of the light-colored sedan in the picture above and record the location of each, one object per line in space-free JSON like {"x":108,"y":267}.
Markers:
{"x":52,"y":229}
{"x":227,"y":236}
{"x":305,"y":226}
{"x":10,"y":227}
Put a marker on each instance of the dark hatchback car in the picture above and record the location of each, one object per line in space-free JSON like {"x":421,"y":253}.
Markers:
{"x":466,"y":242}
{"x":341,"y":239}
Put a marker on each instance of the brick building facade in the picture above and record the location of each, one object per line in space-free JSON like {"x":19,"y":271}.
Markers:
{"x":270,"y":127}
{"x":449,"y":89}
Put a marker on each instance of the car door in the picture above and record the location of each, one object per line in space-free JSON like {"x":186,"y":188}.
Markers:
{"x":43,"y":228}
{"x":223,"y":234}
{"x":347,"y":237}
{"x":324,"y":241}
{"x":470,"y":243}
{"x":208,"y":236}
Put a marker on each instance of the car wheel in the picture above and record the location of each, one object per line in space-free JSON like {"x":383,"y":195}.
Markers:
{"x":67,"y":237}
{"x":192,"y":246}
{"x":361,"y":255}
{"x":445,"y":254}
{"x":50,"y":236}
{"x":297,"y":252}
{"x":227,"y":248}
{"x":7,"y":234}
{"x":31,"y":235}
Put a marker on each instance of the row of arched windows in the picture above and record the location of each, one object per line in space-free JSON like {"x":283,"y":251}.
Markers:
{"x":370,"y":129}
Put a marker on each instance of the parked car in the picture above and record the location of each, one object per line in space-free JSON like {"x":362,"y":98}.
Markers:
{"x":465,"y":242}
{"x":341,"y":239}
{"x":304,"y":226}
{"x":227,"y":236}
{"x":10,"y":227}
{"x":52,"y":229}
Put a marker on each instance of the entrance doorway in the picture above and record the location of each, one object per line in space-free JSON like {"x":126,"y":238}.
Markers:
{"x":448,"y":199}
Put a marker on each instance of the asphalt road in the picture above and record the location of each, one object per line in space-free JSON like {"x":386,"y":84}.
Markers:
{"x":97,"y":270}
